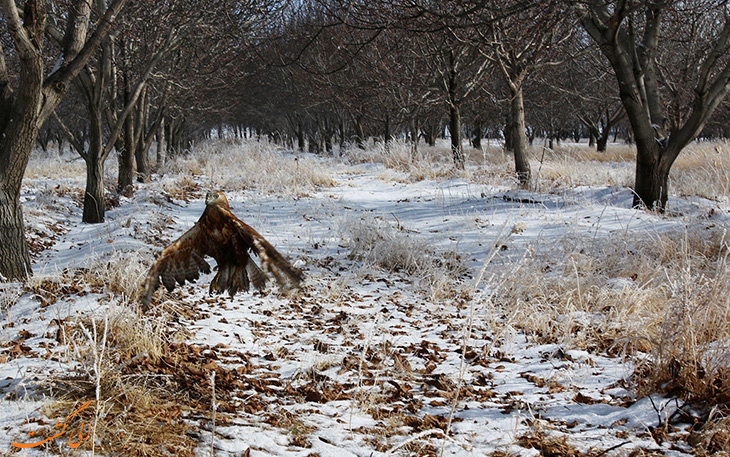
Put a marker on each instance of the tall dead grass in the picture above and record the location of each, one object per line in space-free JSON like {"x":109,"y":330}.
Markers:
{"x":252,"y":165}
{"x":572,"y":165}
{"x":131,"y":413}
{"x":119,"y":273}
{"x":424,"y":163}
{"x":666,"y":296}
{"x":52,"y":165}
{"x":702,"y":169}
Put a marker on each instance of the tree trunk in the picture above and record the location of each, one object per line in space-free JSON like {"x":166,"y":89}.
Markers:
{"x":16,"y":143}
{"x":602,"y":141}
{"x":160,"y":161}
{"x":170,"y":137}
{"x":147,"y":137}
{"x":652,"y":177}
{"x":477,"y":135}
{"x":94,"y":205}
{"x":300,"y":137}
{"x":139,"y":121}
{"x":126,"y":163}
{"x":430,"y":134}
{"x":455,"y":131}
{"x":13,"y":248}
{"x":387,"y":134}
{"x":507,"y":133}
{"x":61,"y":144}
{"x":328,"y":142}
{"x":519,"y":138}
{"x":359,"y":133}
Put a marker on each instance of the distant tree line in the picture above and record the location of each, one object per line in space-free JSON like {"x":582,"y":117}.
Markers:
{"x":144,"y":80}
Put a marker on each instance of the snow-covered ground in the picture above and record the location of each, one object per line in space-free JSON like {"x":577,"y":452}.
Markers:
{"x":364,"y":361}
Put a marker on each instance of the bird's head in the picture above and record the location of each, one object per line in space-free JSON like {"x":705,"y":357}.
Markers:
{"x":216,"y":198}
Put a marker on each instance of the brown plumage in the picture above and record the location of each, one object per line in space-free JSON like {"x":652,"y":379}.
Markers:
{"x":221,"y":235}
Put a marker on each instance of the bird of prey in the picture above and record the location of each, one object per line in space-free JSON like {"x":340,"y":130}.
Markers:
{"x":220,"y":235}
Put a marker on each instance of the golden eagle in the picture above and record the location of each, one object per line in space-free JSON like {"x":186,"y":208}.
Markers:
{"x":221,"y":235}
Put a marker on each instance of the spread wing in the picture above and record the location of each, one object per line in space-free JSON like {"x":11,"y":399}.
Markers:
{"x":272,"y":262}
{"x":181,"y":261}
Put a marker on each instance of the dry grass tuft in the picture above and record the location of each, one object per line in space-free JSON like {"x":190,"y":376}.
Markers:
{"x":547,"y":445}
{"x":119,"y":273}
{"x":124,"y":405}
{"x":693,"y":345}
{"x":702,"y":169}
{"x":423,"y":164}
{"x":712,"y":439}
{"x":182,"y":187}
{"x":394,"y":248}
{"x":147,"y":390}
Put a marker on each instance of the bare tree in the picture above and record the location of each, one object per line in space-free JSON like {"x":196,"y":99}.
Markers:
{"x":460,"y":70}
{"x":672,"y":65}
{"x":28,"y":98}
{"x":99,"y":85}
{"x":154,"y":31}
{"x":520,"y":43}
{"x":586,"y":85}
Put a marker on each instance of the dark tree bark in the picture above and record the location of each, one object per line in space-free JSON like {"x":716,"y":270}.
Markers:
{"x":430,"y":133}
{"x":454,"y":100}
{"x":457,"y":149}
{"x":519,"y":138}
{"x":94,"y":203}
{"x":477,"y":134}
{"x":300,"y":136}
{"x":359,"y":131}
{"x":387,"y":135}
{"x":125,"y":180}
{"x":139,"y":122}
